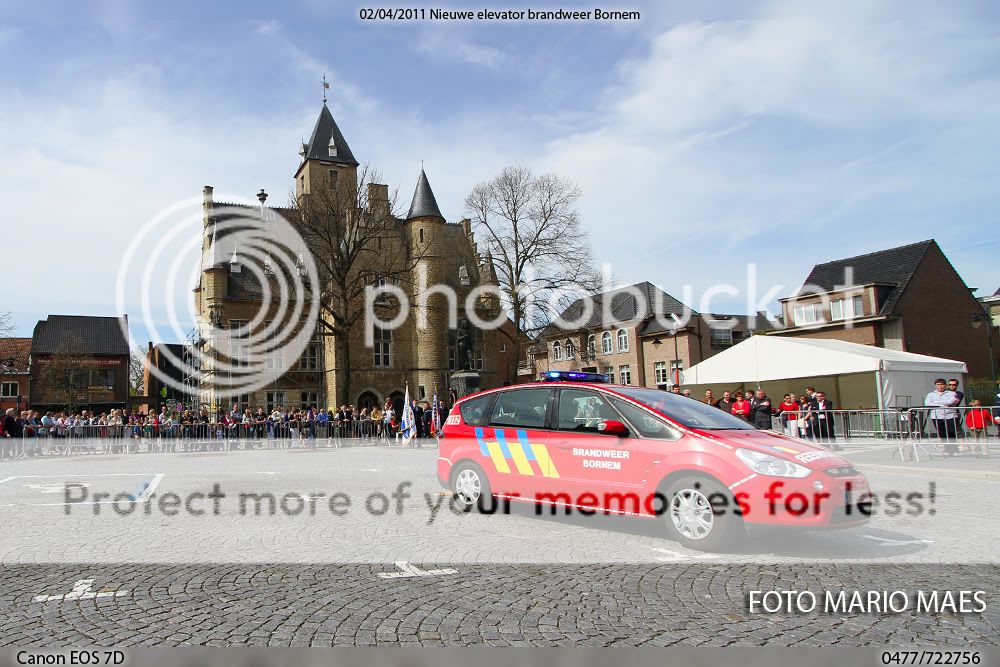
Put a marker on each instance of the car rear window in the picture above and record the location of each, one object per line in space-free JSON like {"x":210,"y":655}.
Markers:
{"x":524,"y":407}
{"x":686,"y":411}
{"x":474,"y":410}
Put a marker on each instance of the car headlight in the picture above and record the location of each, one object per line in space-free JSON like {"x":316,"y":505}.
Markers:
{"x":765,"y":464}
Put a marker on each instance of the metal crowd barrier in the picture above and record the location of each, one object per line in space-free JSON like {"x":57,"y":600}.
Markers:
{"x":926,"y":430}
{"x":198,"y":436}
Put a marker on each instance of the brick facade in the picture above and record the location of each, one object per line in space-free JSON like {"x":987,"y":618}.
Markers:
{"x":919,"y":303}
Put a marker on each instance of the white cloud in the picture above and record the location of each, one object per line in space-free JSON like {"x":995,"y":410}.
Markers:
{"x":442,"y":44}
{"x":785,"y":141}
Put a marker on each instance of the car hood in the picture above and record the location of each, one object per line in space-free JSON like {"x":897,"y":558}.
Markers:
{"x":793,"y":449}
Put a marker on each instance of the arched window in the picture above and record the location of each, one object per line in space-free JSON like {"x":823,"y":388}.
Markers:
{"x":557,"y":351}
{"x":607,"y":344}
{"x":622,"y":340}
{"x":570,"y":349}
{"x":591,"y":346}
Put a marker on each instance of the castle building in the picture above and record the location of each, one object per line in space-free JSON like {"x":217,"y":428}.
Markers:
{"x":427,"y":250}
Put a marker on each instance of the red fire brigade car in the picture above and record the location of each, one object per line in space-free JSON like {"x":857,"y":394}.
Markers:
{"x":577,"y":442}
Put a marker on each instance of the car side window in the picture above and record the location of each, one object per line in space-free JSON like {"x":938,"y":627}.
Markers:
{"x":474,"y":410}
{"x":581,"y":410}
{"x":645,"y":424}
{"x":525,"y":408}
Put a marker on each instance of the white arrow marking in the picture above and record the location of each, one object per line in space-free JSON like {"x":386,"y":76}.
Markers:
{"x":885,"y":542}
{"x":413,"y":571}
{"x":81,"y":591}
{"x":674,"y":556}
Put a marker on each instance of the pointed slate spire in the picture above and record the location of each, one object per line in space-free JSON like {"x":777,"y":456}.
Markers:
{"x":213,"y":259}
{"x":424,"y":203}
{"x":327,"y":143}
{"x":489,"y":269}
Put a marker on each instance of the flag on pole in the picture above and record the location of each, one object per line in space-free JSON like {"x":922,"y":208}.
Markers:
{"x":409,"y":426}
{"x":436,"y":414}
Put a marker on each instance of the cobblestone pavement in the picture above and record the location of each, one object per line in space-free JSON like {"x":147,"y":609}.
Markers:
{"x":80,"y":579}
{"x":601,"y":605}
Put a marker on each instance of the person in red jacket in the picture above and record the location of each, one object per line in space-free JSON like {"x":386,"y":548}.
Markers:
{"x":978,"y":420}
{"x":741,"y":407}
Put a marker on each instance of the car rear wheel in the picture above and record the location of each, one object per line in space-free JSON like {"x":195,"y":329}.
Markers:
{"x":693,"y":522}
{"x":470,"y":487}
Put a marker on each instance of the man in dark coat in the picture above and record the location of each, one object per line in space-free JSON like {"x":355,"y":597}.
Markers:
{"x":761,"y":410}
{"x":822,"y":420}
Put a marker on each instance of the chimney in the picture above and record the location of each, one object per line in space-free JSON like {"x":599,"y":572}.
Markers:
{"x":466,"y":226}
{"x":378,"y":199}
{"x":206,"y":204}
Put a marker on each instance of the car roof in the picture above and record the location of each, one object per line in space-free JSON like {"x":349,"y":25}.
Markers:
{"x":546,"y":385}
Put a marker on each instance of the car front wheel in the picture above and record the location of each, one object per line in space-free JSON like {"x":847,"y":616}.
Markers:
{"x":693,"y":522}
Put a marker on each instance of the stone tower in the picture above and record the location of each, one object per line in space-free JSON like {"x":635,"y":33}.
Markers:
{"x":327,"y":161}
{"x":425,"y":227}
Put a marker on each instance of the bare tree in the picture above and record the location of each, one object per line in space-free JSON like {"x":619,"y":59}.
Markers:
{"x":63,"y":376}
{"x":6,"y":324}
{"x":356,"y":240}
{"x":542,"y":255}
{"x":136,"y":372}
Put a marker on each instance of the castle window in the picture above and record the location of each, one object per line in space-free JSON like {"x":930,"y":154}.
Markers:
{"x":421,"y":233}
{"x":570,"y":349}
{"x":309,"y":361}
{"x":383,"y":347}
{"x":333,"y":177}
{"x":557,"y":352}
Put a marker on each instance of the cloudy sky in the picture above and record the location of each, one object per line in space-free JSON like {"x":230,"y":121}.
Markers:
{"x":705,"y":136}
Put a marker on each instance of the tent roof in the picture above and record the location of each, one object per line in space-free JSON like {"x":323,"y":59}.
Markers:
{"x":764,"y":358}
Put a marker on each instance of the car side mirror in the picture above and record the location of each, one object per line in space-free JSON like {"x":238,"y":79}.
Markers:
{"x":612,"y":427}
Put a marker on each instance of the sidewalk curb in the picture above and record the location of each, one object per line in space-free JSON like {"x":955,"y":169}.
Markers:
{"x":980,"y":475}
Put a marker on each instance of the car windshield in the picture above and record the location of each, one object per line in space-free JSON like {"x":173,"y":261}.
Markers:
{"x":685,"y":411}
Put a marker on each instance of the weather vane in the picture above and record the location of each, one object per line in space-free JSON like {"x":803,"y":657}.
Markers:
{"x":326,"y":87}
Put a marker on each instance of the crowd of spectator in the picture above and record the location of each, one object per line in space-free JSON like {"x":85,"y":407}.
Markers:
{"x":808,"y":417}
{"x":30,"y":432}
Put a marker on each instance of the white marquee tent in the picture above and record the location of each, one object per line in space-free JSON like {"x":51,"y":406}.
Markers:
{"x":852,"y":375}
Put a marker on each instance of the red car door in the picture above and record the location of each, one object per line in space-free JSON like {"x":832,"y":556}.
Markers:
{"x":515,"y":441}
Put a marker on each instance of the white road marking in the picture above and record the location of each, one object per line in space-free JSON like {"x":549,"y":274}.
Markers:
{"x":413,"y":571}
{"x":155,"y":482}
{"x":81,"y":591}
{"x":51,"y":488}
{"x":675,"y":556}
{"x":82,"y":474}
{"x":7,"y":479}
{"x":371,"y":470}
{"x":886,"y":542}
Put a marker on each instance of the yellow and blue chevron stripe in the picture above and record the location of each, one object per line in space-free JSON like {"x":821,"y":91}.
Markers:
{"x":527,"y":458}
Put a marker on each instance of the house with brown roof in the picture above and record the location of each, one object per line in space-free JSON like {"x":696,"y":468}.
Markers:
{"x":80,"y":362}
{"x":15,"y":380}
{"x":908,"y":298}
{"x":637,"y":335}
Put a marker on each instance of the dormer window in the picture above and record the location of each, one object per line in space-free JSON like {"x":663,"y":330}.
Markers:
{"x":332,"y":148}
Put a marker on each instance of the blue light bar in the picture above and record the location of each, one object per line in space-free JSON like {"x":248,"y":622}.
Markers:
{"x":573,"y":376}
